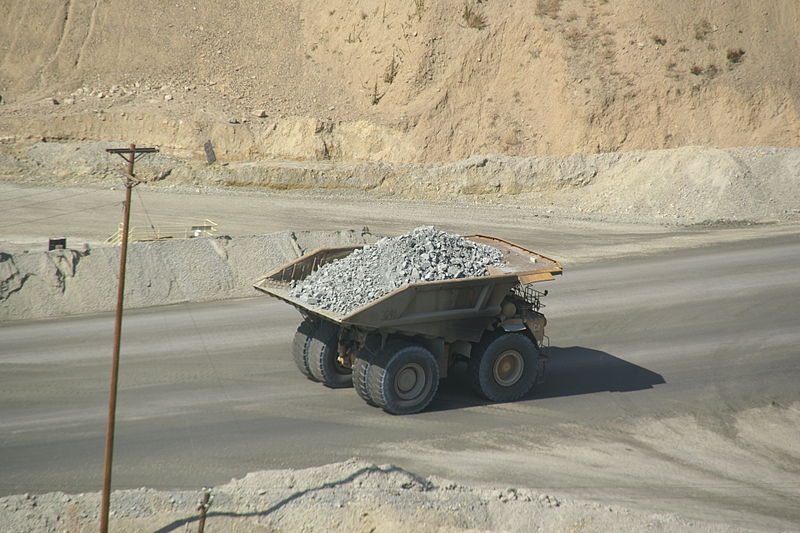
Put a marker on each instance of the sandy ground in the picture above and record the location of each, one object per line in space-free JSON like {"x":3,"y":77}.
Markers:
{"x":353,"y":496}
{"x":278,"y":506}
{"x":90,"y":214}
{"x":677,"y":187}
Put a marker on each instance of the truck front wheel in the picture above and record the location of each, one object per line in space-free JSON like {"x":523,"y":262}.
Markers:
{"x":503,"y":367}
{"x":403,"y":378}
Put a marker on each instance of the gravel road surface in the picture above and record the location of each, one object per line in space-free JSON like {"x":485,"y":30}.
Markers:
{"x":30,"y":214}
{"x":657,"y":363}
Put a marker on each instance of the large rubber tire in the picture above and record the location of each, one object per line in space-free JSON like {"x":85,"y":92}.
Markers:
{"x":503,"y":366}
{"x":300,"y":346}
{"x":362,"y":366}
{"x":323,"y":357}
{"x":403,"y":378}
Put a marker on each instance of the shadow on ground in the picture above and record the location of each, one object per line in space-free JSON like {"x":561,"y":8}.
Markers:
{"x":183,"y":523}
{"x":579,"y":370}
{"x":570,"y":371}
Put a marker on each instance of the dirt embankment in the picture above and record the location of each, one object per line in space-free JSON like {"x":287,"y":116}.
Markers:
{"x":689,"y":185}
{"x":65,"y":282}
{"x":349,"y":496}
{"x":413,"y":82}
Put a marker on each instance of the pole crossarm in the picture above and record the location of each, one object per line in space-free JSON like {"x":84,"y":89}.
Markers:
{"x":131,"y":155}
{"x":133,"y":150}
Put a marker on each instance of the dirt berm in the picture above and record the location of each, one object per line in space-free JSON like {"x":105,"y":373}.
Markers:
{"x":66,"y":282}
{"x":353,"y":496}
{"x":686,"y":185}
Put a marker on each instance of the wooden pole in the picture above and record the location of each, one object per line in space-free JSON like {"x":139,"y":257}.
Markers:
{"x":130,"y":183}
{"x":112,"y":395}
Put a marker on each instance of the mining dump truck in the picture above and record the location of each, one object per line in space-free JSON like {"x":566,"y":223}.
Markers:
{"x":394,"y":350}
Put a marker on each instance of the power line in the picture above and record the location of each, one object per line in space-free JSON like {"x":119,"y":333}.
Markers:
{"x":59,"y":215}
{"x":44,"y":201}
{"x":146,"y":214}
{"x":25,"y":194}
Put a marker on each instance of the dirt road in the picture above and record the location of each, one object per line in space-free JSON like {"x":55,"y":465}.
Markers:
{"x":31,"y":214}
{"x":673,"y":386}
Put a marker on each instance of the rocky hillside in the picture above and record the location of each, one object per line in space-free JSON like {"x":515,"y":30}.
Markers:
{"x":416,"y":81}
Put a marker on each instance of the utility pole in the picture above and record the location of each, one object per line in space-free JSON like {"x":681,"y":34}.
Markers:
{"x":130,"y":154}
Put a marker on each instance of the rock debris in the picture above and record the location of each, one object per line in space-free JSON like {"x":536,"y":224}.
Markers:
{"x":424,"y":254}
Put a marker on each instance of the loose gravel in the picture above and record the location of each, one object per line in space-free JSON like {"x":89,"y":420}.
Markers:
{"x":37,"y":284}
{"x":340,"y":497}
{"x":424,"y":254}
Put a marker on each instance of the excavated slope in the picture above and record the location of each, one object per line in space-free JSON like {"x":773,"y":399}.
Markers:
{"x":411,"y":81}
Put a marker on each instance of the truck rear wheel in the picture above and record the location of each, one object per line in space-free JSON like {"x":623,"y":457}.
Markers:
{"x":323,"y":357}
{"x":362,"y":365}
{"x":300,"y":346}
{"x":403,"y":378}
{"x":361,"y":368}
{"x":503,"y":367}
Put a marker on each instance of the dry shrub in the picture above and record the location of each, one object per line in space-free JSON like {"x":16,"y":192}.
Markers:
{"x":548,"y":8}
{"x":702,"y":29}
{"x":391,"y":70}
{"x":735,"y":55}
{"x":419,"y":8}
{"x":671,"y":70}
{"x":710,"y":71}
{"x":575,"y":37}
{"x":472,"y":18}
{"x":509,"y":137}
{"x":375,"y":95}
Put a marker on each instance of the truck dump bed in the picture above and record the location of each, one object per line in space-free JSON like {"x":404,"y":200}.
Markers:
{"x":450,"y":309}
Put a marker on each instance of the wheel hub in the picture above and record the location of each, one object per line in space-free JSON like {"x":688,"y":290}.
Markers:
{"x":508,"y":368}
{"x":341,"y":366}
{"x":409,"y":381}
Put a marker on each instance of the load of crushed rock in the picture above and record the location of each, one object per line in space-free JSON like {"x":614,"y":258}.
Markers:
{"x":424,"y":254}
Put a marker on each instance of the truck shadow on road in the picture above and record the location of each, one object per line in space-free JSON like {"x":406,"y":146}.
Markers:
{"x":578,"y":370}
{"x":571,"y":371}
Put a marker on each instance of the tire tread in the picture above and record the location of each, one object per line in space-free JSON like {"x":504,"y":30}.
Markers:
{"x":302,"y":337}
{"x":322,"y":348}
{"x":378,"y":376}
{"x":480,"y":380}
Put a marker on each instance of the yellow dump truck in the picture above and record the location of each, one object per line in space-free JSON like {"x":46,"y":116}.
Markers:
{"x":394,"y":350}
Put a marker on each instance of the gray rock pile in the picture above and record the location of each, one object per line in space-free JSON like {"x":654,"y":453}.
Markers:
{"x":424,"y":254}
{"x":37,"y":284}
{"x":341,"y":497}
